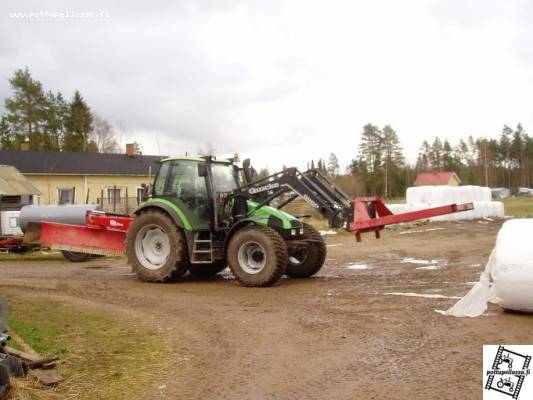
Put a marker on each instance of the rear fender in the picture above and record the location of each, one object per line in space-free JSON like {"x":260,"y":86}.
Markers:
{"x":180,"y":220}
{"x":171,"y":210}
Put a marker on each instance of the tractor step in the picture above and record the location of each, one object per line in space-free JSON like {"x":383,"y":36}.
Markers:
{"x":202,"y":249}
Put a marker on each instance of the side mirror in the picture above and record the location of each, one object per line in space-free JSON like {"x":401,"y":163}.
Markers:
{"x":249,"y":172}
{"x":202,"y":170}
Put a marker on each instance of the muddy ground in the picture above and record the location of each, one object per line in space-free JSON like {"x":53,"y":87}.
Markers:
{"x":336,"y":336}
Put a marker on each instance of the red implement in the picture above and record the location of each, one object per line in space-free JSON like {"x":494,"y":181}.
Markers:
{"x":364,"y":222}
{"x":101,"y":234}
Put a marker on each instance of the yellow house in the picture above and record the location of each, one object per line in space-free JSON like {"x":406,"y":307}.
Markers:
{"x":437,"y":178}
{"x":111,"y":180}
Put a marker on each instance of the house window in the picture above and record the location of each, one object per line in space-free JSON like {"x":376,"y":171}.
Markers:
{"x":114,"y":195}
{"x":65,"y":195}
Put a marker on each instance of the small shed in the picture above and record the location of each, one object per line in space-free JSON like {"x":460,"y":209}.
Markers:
{"x":15,"y":190}
{"x":437,"y":179}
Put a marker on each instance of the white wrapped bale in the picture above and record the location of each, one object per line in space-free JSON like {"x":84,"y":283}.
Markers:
{"x":486,"y":194}
{"x":399,"y":208}
{"x":416,"y":194}
{"x":421,"y":197}
{"x":499,"y":209}
{"x":510,"y":267}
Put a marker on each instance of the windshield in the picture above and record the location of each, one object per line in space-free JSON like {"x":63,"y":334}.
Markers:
{"x":223,"y":177}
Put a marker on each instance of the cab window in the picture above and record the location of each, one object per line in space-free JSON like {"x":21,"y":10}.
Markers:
{"x":185,"y":184}
{"x":159,"y":184}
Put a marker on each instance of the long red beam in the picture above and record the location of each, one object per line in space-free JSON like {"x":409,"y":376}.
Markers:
{"x":363,"y":222}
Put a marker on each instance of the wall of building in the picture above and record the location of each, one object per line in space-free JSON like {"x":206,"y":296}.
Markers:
{"x":454,"y":181}
{"x":49,"y":186}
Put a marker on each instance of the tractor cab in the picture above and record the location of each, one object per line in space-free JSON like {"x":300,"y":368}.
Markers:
{"x":192,"y":186}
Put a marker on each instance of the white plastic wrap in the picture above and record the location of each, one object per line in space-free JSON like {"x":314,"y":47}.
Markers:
{"x":421,"y":197}
{"x":511,"y":268}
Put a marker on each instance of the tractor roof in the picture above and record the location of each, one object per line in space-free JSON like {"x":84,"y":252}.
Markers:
{"x":199,"y":159}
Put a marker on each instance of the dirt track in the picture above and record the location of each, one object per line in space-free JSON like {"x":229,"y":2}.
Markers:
{"x":336,"y":336}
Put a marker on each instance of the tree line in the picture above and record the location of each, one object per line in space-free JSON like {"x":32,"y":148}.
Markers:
{"x":506,"y":161}
{"x":380,"y":167}
{"x":47,"y":121}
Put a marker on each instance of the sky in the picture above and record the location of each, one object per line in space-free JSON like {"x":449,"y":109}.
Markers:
{"x":281,"y":82}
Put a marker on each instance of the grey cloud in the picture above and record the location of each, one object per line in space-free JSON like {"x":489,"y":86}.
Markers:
{"x":148,"y":67}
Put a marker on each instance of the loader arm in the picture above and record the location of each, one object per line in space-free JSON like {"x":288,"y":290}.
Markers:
{"x":312,"y":186}
{"x":363,"y":214}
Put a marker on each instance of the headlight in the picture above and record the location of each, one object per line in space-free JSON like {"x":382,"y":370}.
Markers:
{"x":293,"y":232}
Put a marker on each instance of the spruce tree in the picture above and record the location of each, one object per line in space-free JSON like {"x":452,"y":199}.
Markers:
{"x":26,"y":109}
{"x":333,"y":165}
{"x":78,"y":126}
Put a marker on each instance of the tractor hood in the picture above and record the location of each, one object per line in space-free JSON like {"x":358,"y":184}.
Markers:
{"x":273,"y":217}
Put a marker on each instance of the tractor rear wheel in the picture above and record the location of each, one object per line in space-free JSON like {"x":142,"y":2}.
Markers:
{"x":208,"y":269}
{"x":257,"y":256}
{"x":156,"y":248}
{"x":305,"y":263}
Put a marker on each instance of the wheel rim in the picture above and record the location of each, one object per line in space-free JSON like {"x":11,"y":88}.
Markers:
{"x":298,"y":257}
{"x":152,"y":247}
{"x":252,"y":257}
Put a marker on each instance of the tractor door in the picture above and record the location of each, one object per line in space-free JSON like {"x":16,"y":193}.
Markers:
{"x":184,"y":187}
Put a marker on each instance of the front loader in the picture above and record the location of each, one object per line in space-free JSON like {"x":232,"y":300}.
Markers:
{"x":205,"y":214}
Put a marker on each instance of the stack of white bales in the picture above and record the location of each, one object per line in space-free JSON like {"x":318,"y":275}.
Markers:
{"x":422,"y":197}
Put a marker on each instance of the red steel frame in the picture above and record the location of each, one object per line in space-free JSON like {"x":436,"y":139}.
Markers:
{"x":363,"y":222}
{"x":106,"y":233}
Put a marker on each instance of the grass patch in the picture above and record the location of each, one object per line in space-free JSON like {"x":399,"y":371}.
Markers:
{"x":102,"y":356}
{"x":32,"y":256}
{"x":519,"y":207}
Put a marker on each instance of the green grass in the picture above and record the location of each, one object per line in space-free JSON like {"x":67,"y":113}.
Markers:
{"x":102,"y":356}
{"x":32,"y":256}
{"x":519,"y":207}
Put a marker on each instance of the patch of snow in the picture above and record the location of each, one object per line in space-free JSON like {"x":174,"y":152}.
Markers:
{"x":411,"y":260}
{"x":294,"y":260}
{"x":324,"y":233}
{"x":429,"y":296}
{"x":430,"y":267}
{"x":334,"y":245}
{"x":421,"y":231}
{"x":357,"y":266}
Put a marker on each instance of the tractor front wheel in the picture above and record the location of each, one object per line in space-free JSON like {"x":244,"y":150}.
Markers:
{"x":257,"y":256}
{"x":156,"y":248}
{"x":304,"y":263}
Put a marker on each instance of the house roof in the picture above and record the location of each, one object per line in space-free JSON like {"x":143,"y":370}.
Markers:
{"x":13,"y":183}
{"x":79,"y":163}
{"x":435,"y":178}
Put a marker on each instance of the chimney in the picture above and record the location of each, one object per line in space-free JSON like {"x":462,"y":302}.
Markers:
{"x":25,"y":145}
{"x":131,"y":149}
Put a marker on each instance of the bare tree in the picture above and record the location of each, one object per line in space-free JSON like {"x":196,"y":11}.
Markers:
{"x":104,"y":136}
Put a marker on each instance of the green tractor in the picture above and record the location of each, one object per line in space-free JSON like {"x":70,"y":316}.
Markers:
{"x":205,"y":214}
